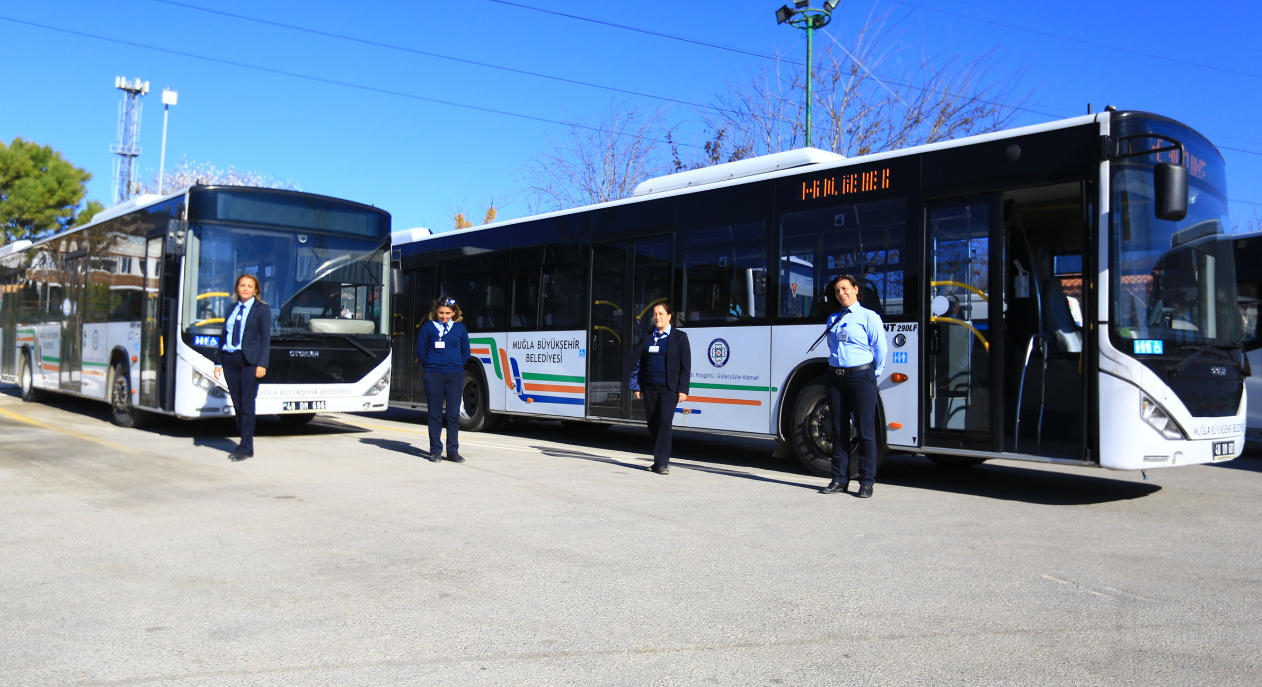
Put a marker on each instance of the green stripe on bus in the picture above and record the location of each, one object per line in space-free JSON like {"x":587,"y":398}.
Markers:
{"x":50,"y":358}
{"x":90,"y":363}
{"x":731,"y":387}
{"x":553,"y":378}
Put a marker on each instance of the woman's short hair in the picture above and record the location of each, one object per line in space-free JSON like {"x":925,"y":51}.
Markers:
{"x":445,"y":302}
{"x":258,"y":287}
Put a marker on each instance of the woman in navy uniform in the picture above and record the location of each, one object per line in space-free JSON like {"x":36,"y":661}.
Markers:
{"x":658,"y":371}
{"x":443,"y":349}
{"x":856,"y":345}
{"x":245,"y":346}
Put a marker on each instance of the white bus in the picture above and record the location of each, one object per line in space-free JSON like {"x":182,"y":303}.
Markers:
{"x":1053,"y":293}
{"x":128,"y":309}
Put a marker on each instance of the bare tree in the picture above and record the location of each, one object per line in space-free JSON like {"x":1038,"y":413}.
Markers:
{"x":597,"y":162}
{"x":187,"y":173}
{"x":867,"y":98}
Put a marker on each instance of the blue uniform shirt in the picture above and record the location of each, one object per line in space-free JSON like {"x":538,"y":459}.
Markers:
{"x":232,"y":324}
{"x":653,"y":365}
{"x":856,"y":336}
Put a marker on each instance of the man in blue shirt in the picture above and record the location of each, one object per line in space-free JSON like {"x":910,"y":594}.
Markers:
{"x":856,"y":344}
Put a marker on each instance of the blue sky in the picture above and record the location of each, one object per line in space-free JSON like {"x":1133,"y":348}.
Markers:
{"x":421,"y":159}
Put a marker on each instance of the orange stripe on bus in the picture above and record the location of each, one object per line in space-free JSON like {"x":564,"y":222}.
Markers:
{"x":480,"y":351}
{"x":508,"y":374}
{"x":555,"y":387}
{"x":724,"y":401}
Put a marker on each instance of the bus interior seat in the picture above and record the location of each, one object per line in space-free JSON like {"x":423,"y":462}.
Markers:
{"x":1066,"y":334}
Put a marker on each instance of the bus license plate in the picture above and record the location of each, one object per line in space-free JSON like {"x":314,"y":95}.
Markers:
{"x":1224,"y":450}
{"x":301,"y":406}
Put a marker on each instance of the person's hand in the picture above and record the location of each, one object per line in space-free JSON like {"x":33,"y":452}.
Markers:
{"x":682,"y":397}
{"x":259,"y":372}
{"x":638,"y":396}
{"x":218,"y":372}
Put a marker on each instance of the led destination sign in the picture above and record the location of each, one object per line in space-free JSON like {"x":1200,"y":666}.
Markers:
{"x":846,"y":184}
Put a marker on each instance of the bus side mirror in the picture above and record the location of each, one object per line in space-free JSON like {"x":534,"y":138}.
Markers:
{"x":1170,"y":184}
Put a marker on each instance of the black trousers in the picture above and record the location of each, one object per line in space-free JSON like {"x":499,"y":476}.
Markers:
{"x":853,"y":396}
{"x":243,"y":387}
{"x":659,"y":407}
{"x":443,"y":389}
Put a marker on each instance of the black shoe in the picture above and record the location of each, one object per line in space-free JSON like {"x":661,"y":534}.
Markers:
{"x":835,"y":487}
{"x":455,"y":457}
{"x":435,"y":457}
{"x":660,"y":469}
{"x":865,"y":491}
{"x":238,"y":456}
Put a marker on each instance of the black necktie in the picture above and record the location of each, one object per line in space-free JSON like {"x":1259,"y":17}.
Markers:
{"x":236,"y":326}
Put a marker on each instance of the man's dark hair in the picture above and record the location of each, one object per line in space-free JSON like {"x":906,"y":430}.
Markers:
{"x":854,"y":281}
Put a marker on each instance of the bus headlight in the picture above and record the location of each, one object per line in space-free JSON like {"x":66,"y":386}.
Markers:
{"x":381,"y":385}
{"x":1158,"y":418}
{"x":207,"y":384}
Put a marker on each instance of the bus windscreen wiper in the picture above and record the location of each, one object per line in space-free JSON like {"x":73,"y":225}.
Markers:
{"x":358,"y":345}
{"x":1216,"y":349}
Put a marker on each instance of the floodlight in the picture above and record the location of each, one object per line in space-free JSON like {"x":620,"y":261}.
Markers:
{"x":170,"y":97}
{"x":830,"y":5}
{"x":801,"y":3}
{"x":784,"y":14}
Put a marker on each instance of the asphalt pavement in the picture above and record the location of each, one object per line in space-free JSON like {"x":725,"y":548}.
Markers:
{"x":338,"y":555}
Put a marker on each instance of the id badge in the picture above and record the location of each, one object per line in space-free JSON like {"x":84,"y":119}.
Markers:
{"x":843,"y":336}
{"x":440,"y":344}
{"x":654,"y":349}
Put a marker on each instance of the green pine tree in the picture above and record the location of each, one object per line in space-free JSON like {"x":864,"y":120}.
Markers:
{"x":39,"y":191}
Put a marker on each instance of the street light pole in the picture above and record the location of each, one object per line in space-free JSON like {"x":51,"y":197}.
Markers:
{"x":169,"y":98}
{"x":802,"y":16}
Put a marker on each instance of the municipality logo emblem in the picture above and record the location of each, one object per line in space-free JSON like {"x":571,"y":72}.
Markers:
{"x":719,"y":352}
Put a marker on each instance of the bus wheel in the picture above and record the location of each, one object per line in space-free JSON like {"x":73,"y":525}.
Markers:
{"x":474,"y":414}
{"x":956,"y":462}
{"x":812,"y":433}
{"x":27,"y":381}
{"x":297,"y":419}
{"x":122,"y":412}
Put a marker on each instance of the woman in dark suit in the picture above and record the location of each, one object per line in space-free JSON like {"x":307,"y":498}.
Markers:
{"x":658,"y":371}
{"x":442,"y":346}
{"x":244,"y":349}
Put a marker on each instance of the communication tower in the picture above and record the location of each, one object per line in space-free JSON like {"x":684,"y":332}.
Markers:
{"x":127,"y":150}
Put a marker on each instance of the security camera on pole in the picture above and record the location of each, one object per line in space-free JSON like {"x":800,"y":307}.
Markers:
{"x":802,"y":16}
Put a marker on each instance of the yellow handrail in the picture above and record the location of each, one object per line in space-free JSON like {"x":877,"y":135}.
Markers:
{"x":650,"y":306}
{"x":213,"y":294}
{"x":962,"y":285}
{"x":962,"y":323}
{"x":615,"y":334}
{"x":615,"y":305}
{"x":213,"y":320}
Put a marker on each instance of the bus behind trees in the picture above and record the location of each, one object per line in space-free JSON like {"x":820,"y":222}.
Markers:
{"x":1054,"y":293}
{"x":128,"y":309}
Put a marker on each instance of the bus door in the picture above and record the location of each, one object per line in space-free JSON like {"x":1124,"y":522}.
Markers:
{"x":71,"y":364}
{"x":628,"y":279}
{"x":1007,"y":353}
{"x":151,"y":344}
{"x":963,"y":360}
{"x":413,"y":296}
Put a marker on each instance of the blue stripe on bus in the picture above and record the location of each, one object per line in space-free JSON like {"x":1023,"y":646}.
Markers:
{"x":485,"y":360}
{"x":691,"y":411}
{"x":552,"y":399}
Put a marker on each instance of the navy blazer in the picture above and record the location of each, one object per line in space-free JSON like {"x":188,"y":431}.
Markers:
{"x":678,"y":362}
{"x":256,"y":334}
{"x":450,"y":358}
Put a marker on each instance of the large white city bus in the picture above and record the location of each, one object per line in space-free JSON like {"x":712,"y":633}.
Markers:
{"x":1053,"y":293}
{"x":129,"y":308}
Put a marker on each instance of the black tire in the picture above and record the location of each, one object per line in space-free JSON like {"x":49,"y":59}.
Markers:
{"x":812,"y":434}
{"x":956,"y":462}
{"x":122,"y":411}
{"x":297,"y":419}
{"x":474,"y":414}
{"x":26,"y":381}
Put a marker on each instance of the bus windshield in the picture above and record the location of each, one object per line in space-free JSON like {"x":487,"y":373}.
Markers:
{"x":315,"y":283}
{"x":1173,"y":283}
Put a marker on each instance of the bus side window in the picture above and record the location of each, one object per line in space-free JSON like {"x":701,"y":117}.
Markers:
{"x":866,"y":240}
{"x":724,"y":276}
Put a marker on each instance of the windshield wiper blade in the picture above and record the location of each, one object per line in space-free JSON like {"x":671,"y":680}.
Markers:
{"x":1216,"y":349}
{"x":358,"y":345}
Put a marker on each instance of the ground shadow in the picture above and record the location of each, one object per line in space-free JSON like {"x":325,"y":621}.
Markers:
{"x":567,"y":453}
{"x":397,"y":446}
{"x":266,"y":426}
{"x":1004,"y":482}
{"x":219,"y":443}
